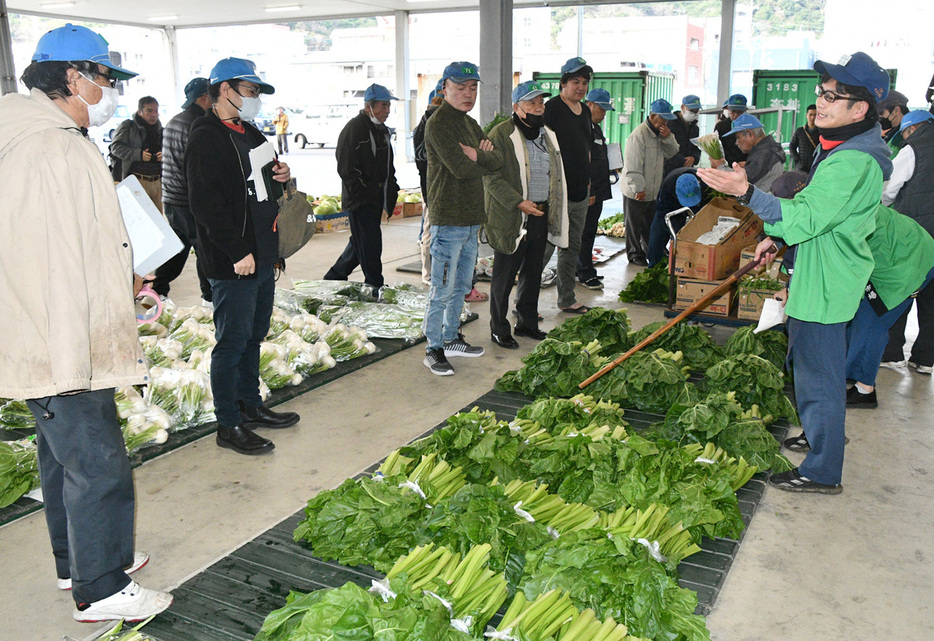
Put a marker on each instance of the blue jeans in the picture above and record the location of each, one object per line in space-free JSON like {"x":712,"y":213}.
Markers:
{"x":867,"y":336}
{"x":818,"y":353}
{"x":453,"y":262}
{"x":242,"y":310}
{"x":87,"y":486}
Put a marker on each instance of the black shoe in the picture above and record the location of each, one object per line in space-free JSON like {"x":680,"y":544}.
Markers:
{"x":638,"y":261}
{"x":241,"y":440}
{"x":592,"y":283}
{"x":262,"y":416}
{"x":857,"y":400}
{"x":505,"y":341}
{"x":797,"y":443}
{"x":436,"y":361}
{"x":515,"y":314}
{"x":529,"y":332}
{"x":792,"y":481}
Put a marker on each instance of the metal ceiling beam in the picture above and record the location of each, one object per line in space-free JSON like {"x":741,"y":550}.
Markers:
{"x":725,"y":66}
{"x":7,"y":70}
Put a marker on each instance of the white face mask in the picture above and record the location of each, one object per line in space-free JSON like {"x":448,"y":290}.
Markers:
{"x":250,"y":108}
{"x":726,"y":113}
{"x":101,"y":112}
{"x":688,"y":115}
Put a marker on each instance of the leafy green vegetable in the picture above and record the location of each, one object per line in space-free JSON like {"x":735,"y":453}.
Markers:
{"x":553,"y":368}
{"x":648,"y":286}
{"x":608,"y":326}
{"x":580,"y":412}
{"x":617,"y":578}
{"x":19,"y":469}
{"x":770,"y":345}
{"x":609,"y":221}
{"x":649,"y":381}
{"x":711,"y":144}
{"x":756,"y":381}
{"x":747,"y":283}
{"x":15,"y":415}
{"x":699,"y":349}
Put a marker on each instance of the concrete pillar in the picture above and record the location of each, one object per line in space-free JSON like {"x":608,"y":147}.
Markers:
{"x":178,"y":83}
{"x":7,"y":70}
{"x":724,"y":70}
{"x":495,"y":58}
{"x":404,"y":147}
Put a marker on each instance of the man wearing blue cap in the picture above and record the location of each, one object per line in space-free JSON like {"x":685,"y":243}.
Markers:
{"x":685,"y":127}
{"x":175,"y":189}
{"x":735,"y":107}
{"x":68,"y":336}
{"x":910,"y":191}
{"x":765,"y":158}
{"x":459,"y":156}
{"x":827,"y":226}
{"x":647,"y":147}
{"x":600,"y":103}
{"x":680,"y":188}
{"x":234,"y":182}
{"x":368,"y":186}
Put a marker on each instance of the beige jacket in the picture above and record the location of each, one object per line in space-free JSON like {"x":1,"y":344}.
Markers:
{"x":66,"y":281}
{"x":644,"y":161}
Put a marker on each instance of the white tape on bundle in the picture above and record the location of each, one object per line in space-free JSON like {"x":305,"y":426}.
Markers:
{"x":444,"y":602}
{"x":412,"y":485}
{"x":654,"y":549}
{"x":381,"y":588}
{"x":378,"y":476}
{"x":553,"y":532}
{"x":502,"y":635}
{"x":462,"y":625}
{"x":518,"y":509}
{"x":514,"y":428}
{"x":701,"y":459}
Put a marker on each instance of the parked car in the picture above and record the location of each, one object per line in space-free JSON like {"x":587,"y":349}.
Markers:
{"x":322,"y":124}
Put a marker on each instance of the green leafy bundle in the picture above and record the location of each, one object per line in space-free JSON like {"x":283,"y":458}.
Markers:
{"x":609,"y":221}
{"x":648,"y":286}
{"x":553,"y":368}
{"x":770,"y":345}
{"x":15,"y":415}
{"x":608,"y":326}
{"x":617,"y":578}
{"x":719,"y":419}
{"x":19,"y":469}
{"x":699,"y":349}
{"x":756,"y":381}
{"x":649,"y":381}
{"x":580,"y":412}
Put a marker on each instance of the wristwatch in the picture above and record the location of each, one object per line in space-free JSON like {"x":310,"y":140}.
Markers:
{"x":745,"y":198}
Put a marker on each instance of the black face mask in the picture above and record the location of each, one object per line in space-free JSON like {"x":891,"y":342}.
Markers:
{"x":886,"y":123}
{"x":536,"y":121}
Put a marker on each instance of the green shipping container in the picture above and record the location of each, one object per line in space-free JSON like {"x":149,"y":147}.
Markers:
{"x":631,"y":91}
{"x":790,"y":88}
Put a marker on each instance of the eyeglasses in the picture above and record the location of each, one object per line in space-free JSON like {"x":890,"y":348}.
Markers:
{"x":830,"y":96}
{"x":250,"y":92}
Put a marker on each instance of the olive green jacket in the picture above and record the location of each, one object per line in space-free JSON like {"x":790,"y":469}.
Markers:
{"x":504,"y":190}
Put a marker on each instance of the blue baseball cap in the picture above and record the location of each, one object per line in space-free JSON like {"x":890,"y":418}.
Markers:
{"x":195,"y":88}
{"x":601,"y":97}
{"x":860,"y":70}
{"x":436,"y":91}
{"x":688,"y":190}
{"x":239,"y":69}
{"x":915,"y":117}
{"x":459,"y":72}
{"x":691,"y":102}
{"x":736,"y":102}
{"x":527,"y":90}
{"x":573,"y":64}
{"x":73,"y":43}
{"x":378,"y":92}
{"x":744,"y":122}
{"x":662,"y":108}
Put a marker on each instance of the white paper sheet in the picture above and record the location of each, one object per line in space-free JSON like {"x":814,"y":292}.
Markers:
{"x":259,"y":158}
{"x":152,"y":239}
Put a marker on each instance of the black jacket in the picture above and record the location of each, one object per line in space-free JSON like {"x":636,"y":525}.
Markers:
{"x":421,"y":151}
{"x":683,"y":132}
{"x":174,"y":141}
{"x":916,"y":197}
{"x":365,"y":164}
{"x":599,"y":167}
{"x":802,"y":147}
{"x":218,"y":197}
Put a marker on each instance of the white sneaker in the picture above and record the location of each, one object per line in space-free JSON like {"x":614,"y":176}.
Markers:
{"x":921,"y":369}
{"x":207,"y":304}
{"x":132,"y":603}
{"x":896,"y":365}
{"x":549,"y":276}
{"x":139,"y":560}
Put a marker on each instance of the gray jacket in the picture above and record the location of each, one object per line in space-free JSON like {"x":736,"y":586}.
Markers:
{"x":644,"y":161}
{"x":128,"y":143}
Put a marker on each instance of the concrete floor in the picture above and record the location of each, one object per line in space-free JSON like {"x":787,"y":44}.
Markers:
{"x":854,"y":566}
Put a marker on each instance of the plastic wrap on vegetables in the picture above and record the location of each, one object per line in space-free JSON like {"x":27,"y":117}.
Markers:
{"x":184,"y":394}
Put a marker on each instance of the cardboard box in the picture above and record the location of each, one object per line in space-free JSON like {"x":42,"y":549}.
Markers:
{"x":774,"y":270}
{"x":395,"y":213}
{"x":410,"y":210}
{"x":332,"y":222}
{"x":715,"y":262}
{"x":750,"y":302}
{"x":690,"y":291}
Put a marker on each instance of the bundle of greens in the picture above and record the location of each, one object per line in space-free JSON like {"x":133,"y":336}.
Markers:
{"x":185,"y":394}
{"x":557,"y":415}
{"x":193,"y":335}
{"x":761,"y":283}
{"x":553,"y":368}
{"x":15,"y":415}
{"x":19,"y":469}
{"x":618,"y":578}
{"x":141,"y":422}
{"x":720,"y":420}
{"x":756,"y":381}
{"x":770,"y":345}
{"x":118,"y":633}
{"x":608,"y":326}
{"x":379,"y":320}
{"x":552,"y":616}
{"x":607,"y":223}
{"x":648,"y":286}
{"x":711,"y":144}
{"x":649,"y":381}
{"x":699,"y":349}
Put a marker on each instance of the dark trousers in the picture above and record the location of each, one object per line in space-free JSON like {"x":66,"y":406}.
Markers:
{"x":87,"y":486}
{"x":364,"y":249}
{"x":659,"y":235}
{"x":818,"y":354}
{"x":638,"y":215}
{"x":585,"y":268}
{"x":922,"y":353}
{"x":526,"y":261}
{"x":283,"y":140}
{"x":242,"y":310}
{"x":183,"y":224}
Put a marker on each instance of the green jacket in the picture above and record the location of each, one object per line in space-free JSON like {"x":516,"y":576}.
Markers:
{"x":505,"y":189}
{"x":830,"y":220}
{"x":455,"y":182}
{"x":904,"y":254}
